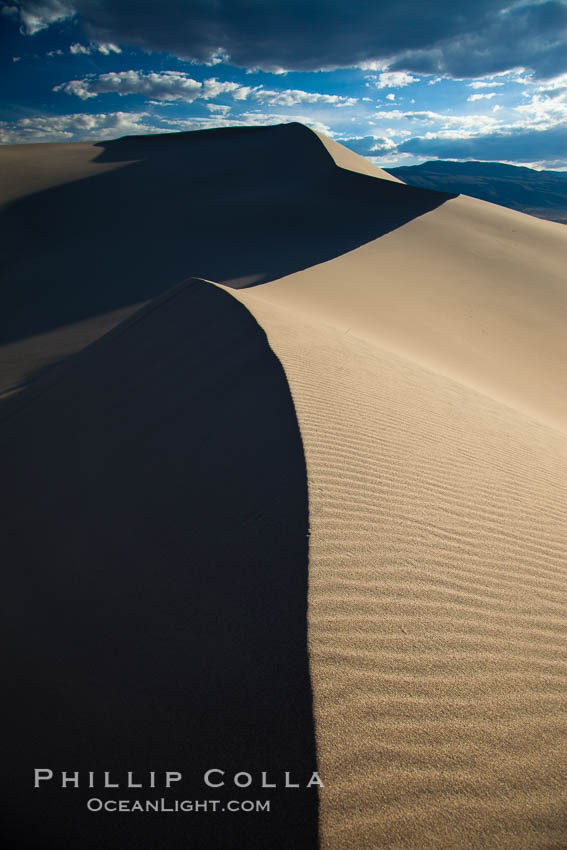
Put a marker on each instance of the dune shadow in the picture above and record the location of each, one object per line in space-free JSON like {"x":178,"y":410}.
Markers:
{"x":238,"y":206}
{"x":155,"y":543}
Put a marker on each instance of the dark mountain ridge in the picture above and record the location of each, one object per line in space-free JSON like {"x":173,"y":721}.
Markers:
{"x":539,"y":193}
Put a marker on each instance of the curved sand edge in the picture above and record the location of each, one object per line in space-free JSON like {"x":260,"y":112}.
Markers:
{"x":350,"y":161}
{"x":155,"y":533}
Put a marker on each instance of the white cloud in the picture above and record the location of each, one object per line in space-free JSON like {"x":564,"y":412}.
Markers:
{"x":157,"y":86}
{"x":484,"y":84}
{"x":76,"y":126}
{"x":98,"y":126}
{"x":106,"y":48}
{"x":80,"y":48}
{"x":484,"y":96}
{"x":543,"y":111}
{"x":213,"y":88}
{"x":502,"y":78}
{"x":391,"y":160}
{"x":465,"y":124}
{"x":16,"y":58}
{"x":165,"y":85}
{"x":556,"y":82}
{"x":395,"y":79}
{"x":217,"y":56}
{"x":397,"y":114}
{"x":373,"y":65}
{"x":169,"y":86}
{"x":513,"y":144}
{"x":36,"y":15}
{"x":559,"y":82}
{"x":290,"y":97}
{"x":218,"y":108}
{"x":390,"y":96}
{"x":368,"y":145}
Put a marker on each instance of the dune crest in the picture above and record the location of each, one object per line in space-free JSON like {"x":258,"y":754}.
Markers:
{"x":334,"y":472}
{"x":88,"y":238}
{"x":349,"y":160}
{"x":156,"y":533}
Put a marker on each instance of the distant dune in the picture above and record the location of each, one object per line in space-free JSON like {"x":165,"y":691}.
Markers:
{"x":540,"y":193}
{"x":284,"y":454}
{"x":89,"y":230}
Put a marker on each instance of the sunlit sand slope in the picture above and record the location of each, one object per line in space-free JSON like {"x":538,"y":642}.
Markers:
{"x":472,"y":290}
{"x":345,"y":158}
{"x":437,"y":601}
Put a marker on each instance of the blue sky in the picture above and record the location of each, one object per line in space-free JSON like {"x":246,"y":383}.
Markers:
{"x":395,"y":82}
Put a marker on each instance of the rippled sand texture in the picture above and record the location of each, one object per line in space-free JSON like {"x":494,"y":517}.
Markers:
{"x":436,"y":603}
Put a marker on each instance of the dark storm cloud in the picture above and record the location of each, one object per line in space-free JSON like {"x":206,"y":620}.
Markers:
{"x":522,"y":145}
{"x":532,"y":36}
{"x":455,"y":37}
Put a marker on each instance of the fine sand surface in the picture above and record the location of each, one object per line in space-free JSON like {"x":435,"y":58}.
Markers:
{"x":306,"y":513}
{"x":437,"y":600}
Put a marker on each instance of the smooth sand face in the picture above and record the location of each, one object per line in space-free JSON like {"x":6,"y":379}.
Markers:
{"x":345,"y":158}
{"x":437,"y":596}
{"x":438,"y":541}
{"x":27,"y":169}
{"x":425,"y":370}
{"x":471,"y":290}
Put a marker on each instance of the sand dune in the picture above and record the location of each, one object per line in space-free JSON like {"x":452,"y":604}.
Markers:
{"x":472,"y":290}
{"x":334,"y":473}
{"x":142,"y":213}
{"x":436,"y":604}
{"x":351,"y":161}
{"x":157,"y":525}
